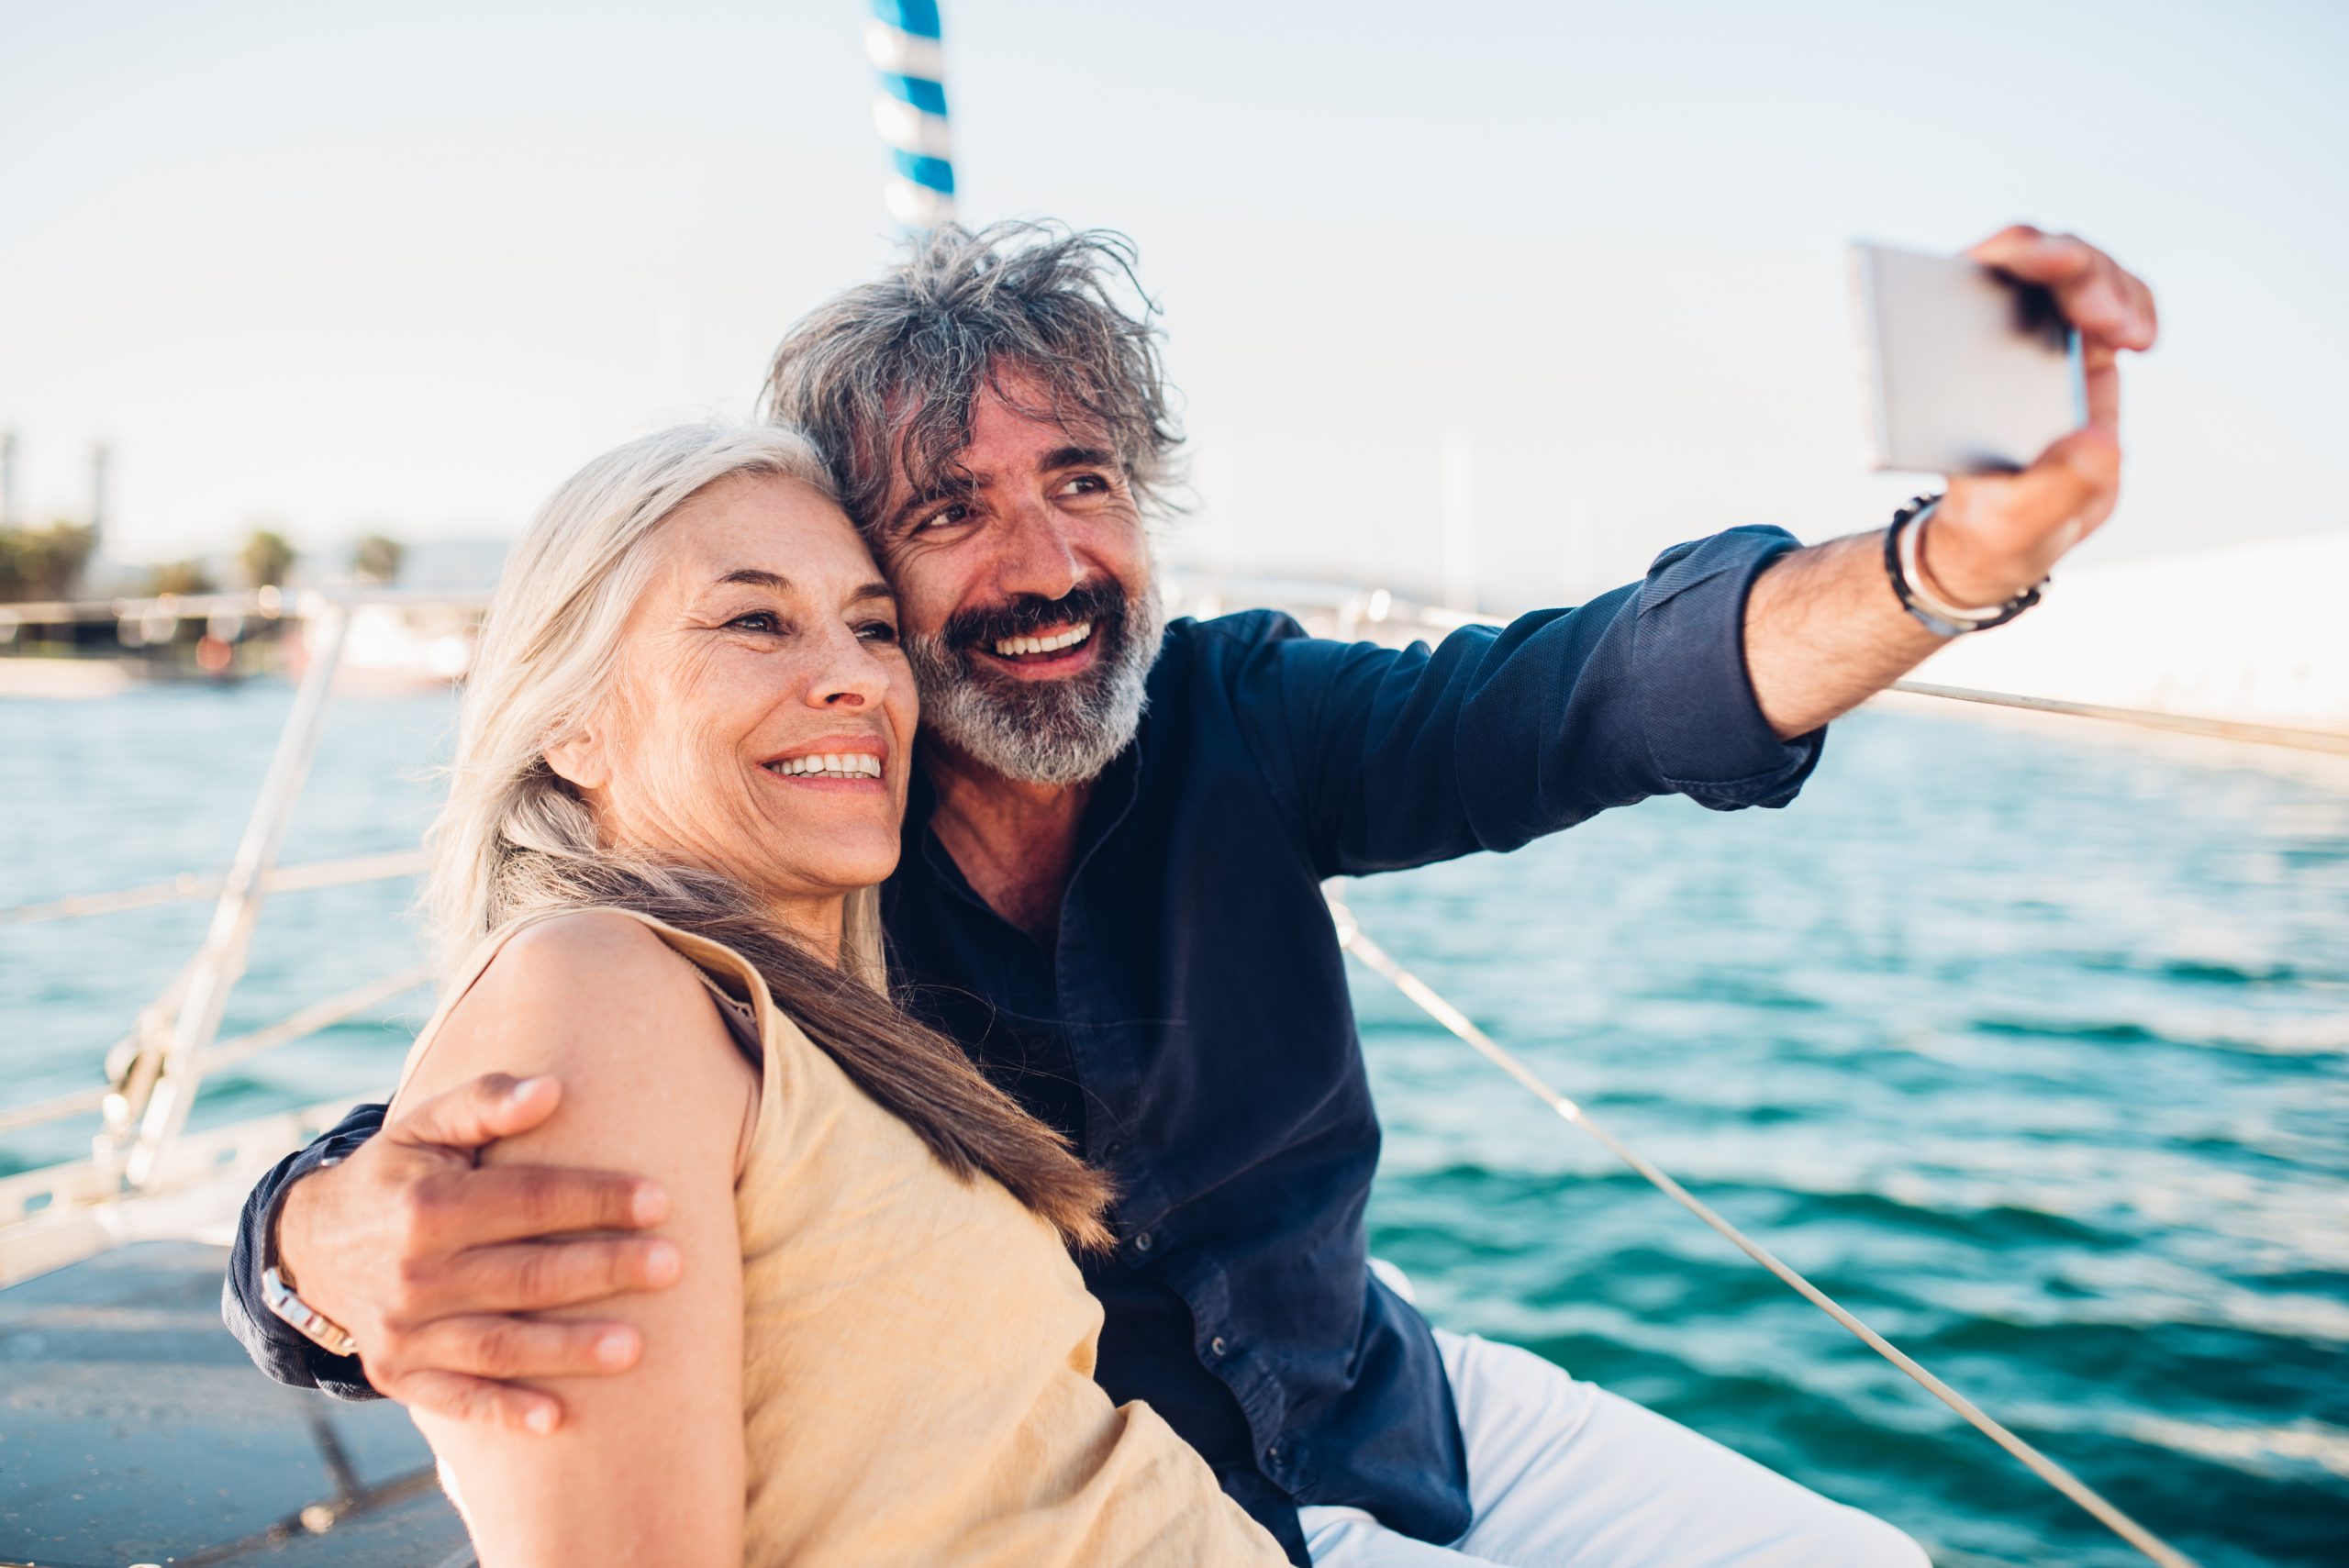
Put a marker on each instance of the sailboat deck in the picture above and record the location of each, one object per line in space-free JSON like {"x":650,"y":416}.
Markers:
{"x":133,"y":1430}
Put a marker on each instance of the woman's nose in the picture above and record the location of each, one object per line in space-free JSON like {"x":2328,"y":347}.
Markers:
{"x":851,"y":675}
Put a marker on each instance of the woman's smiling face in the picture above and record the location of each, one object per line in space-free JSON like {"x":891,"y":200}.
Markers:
{"x":761,"y":722}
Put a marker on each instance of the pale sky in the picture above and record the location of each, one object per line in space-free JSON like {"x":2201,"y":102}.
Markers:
{"x":342,"y":268}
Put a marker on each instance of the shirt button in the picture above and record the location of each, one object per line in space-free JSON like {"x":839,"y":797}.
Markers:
{"x":1273,"y":1454}
{"x":1142,"y":1242}
{"x":1215,"y":1346}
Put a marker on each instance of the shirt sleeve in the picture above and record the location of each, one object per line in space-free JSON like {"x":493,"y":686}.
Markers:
{"x":1498,"y":735}
{"x":276,"y":1347}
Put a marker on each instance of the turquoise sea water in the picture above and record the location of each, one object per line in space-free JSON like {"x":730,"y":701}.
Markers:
{"x":2032,"y":1050}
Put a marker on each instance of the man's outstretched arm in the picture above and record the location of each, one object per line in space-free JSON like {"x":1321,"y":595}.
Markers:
{"x":1824,"y":629}
{"x":431,"y":1261}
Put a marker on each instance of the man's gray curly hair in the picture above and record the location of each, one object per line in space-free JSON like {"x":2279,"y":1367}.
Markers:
{"x":890,"y":371}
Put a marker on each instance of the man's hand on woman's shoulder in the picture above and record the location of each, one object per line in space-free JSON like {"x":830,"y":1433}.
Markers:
{"x":430,"y":1260}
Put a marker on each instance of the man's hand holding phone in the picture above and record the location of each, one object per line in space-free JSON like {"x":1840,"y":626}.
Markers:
{"x":1995,"y":535}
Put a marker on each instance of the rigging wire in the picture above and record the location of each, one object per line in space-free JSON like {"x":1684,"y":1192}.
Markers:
{"x":2143,"y":718}
{"x":1351,"y":939}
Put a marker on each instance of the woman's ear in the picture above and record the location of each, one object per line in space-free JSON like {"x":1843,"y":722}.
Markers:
{"x":580,"y":760}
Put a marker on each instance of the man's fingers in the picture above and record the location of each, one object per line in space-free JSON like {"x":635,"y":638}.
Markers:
{"x":2034,"y":257}
{"x":489,"y":1107}
{"x":505,"y":1349}
{"x":2096,"y":294}
{"x":457,"y":1398}
{"x":2070,"y":488}
{"x":537,"y":1277}
{"x":2101,"y":378}
{"x":513,"y":1203}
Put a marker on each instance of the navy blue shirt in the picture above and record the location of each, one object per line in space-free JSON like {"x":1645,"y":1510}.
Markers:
{"x":1190,"y":1026}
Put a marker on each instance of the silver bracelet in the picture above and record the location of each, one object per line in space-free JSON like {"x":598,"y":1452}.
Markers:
{"x":1904,"y":564}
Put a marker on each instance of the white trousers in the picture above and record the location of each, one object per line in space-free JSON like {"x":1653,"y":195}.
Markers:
{"x":1563,"y":1474}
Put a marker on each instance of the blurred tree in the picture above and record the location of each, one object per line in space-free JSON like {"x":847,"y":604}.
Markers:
{"x":266,"y":558}
{"x":181,"y":577}
{"x":376,"y":559}
{"x":44,"y":563}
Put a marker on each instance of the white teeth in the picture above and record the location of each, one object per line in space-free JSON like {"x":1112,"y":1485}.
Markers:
{"x":1011,"y":646}
{"x":848,"y":765}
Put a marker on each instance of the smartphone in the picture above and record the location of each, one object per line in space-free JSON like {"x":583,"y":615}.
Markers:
{"x":1966,"y":371}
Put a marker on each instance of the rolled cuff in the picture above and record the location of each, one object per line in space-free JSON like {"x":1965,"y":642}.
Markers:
{"x":1704,"y":732}
{"x":276,"y":1347}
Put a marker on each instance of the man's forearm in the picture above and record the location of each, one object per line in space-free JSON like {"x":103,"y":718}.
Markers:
{"x":1824,"y":632}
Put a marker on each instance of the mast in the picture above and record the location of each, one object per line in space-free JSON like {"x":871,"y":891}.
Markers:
{"x":902,"y":41}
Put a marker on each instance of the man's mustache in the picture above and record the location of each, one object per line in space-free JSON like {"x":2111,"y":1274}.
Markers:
{"x":1101,"y":601}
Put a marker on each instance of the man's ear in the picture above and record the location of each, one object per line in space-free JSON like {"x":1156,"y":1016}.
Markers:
{"x":580,"y":760}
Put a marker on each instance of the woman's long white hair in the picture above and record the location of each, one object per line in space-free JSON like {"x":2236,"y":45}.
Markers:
{"x":514,"y":834}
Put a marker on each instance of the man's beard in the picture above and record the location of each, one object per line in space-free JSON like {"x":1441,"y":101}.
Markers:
{"x":1044,"y":732}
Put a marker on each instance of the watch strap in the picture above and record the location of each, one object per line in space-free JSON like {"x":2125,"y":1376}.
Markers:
{"x":312,"y":1324}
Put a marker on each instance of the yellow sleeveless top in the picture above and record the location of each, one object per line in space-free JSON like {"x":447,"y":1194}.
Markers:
{"x":917,"y":1351}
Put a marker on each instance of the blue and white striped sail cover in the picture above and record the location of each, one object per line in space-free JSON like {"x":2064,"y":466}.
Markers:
{"x":911,"y":112}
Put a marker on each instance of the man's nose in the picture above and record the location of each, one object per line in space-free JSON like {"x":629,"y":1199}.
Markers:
{"x":1035,"y":553}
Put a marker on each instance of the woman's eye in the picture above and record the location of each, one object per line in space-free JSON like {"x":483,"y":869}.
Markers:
{"x":757,"y":621}
{"x":877,"y":631}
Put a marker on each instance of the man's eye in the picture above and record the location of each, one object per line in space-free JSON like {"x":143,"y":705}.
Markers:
{"x":1085,"y":484}
{"x":877,"y":631}
{"x":948,"y":516}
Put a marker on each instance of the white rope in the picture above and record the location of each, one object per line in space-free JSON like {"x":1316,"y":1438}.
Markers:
{"x":189,"y":885}
{"x":1351,"y":938}
{"x":294,"y":1025}
{"x":318,"y":1016}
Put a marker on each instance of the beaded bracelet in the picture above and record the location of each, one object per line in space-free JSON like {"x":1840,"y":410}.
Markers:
{"x":1912,"y":586}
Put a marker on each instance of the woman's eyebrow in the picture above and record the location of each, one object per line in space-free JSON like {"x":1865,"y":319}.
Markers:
{"x":757,"y":578}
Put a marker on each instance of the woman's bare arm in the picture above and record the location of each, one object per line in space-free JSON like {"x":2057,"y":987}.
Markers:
{"x":647,"y":1467}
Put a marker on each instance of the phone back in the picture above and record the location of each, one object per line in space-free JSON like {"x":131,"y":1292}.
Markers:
{"x":1967,"y":371}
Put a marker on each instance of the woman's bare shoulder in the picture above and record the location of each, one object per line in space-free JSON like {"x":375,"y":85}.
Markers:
{"x":598,"y":998}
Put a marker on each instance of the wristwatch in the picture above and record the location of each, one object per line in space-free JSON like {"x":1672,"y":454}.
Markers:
{"x":277,"y":1295}
{"x":313,"y":1325}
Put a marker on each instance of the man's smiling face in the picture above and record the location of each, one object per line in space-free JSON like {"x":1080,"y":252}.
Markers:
{"x":1025,"y":588}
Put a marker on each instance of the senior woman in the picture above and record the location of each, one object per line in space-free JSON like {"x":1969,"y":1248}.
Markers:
{"x":681,"y":767}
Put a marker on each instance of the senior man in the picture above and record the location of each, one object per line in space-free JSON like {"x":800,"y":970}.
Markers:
{"x":1110,"y":894}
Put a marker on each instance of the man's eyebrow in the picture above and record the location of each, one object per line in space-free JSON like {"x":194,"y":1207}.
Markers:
{"x":952,"y":486}
{"x":946,"y":487}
